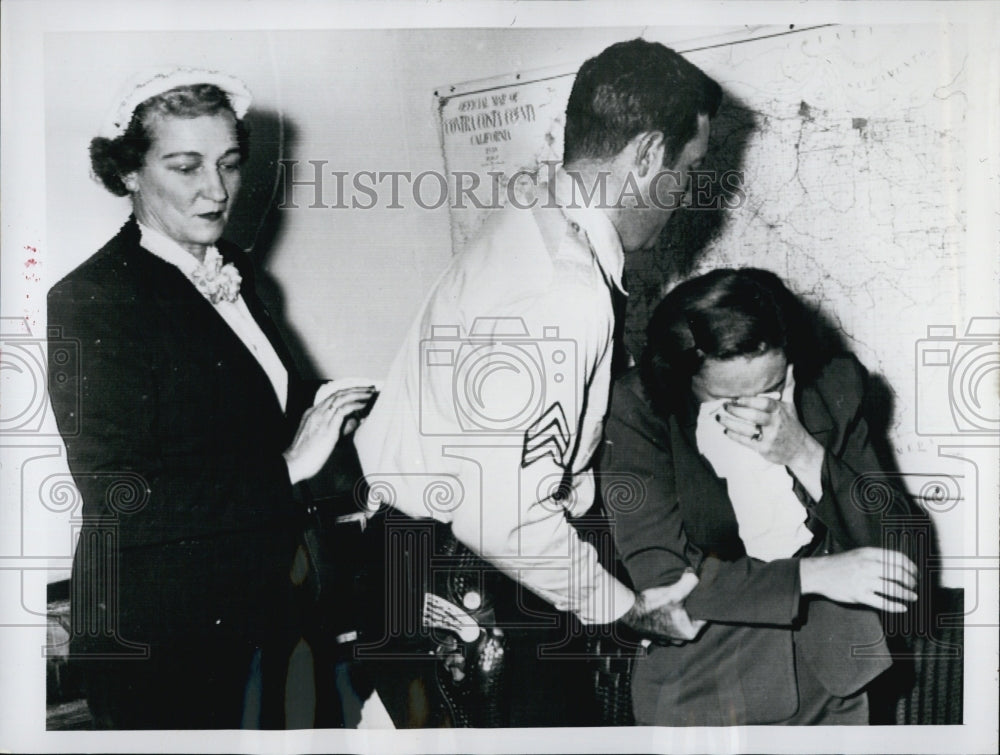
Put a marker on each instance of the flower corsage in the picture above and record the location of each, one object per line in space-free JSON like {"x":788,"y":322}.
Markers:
{"x":217,"y":281}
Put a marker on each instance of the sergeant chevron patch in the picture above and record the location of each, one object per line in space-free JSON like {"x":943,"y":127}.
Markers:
{"x":548,"y":436}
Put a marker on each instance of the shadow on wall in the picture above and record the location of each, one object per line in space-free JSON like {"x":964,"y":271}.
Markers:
{"x":925,"y":683}
{"x":256,"y":222}
{"x":650,"y":273}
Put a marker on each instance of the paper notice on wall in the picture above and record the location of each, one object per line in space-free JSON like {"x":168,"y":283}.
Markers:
{"x":495,"y":139}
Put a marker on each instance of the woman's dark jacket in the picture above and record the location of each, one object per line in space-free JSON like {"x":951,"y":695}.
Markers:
{"x":741,"y":669}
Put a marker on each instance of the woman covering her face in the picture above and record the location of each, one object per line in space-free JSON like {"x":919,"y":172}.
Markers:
{"x":748,"y":453}
{"x":186,"y":429}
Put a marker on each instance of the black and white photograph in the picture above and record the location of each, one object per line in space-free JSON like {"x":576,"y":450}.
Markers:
{"x":500,"y":377}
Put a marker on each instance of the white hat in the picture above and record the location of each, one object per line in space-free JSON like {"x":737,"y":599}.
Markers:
{"x":151,"y":83}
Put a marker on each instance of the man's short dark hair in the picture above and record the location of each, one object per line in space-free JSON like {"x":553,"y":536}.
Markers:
{"x":633,"y":87}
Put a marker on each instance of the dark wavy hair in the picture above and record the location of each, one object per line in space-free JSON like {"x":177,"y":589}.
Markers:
{"x":111,"y":159}
{"x":632,"y":87}
{"x":723,"y":314}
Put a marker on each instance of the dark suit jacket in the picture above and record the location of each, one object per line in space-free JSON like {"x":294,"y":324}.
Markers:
{"x":174,"y":437}
{"x":741,"y":669}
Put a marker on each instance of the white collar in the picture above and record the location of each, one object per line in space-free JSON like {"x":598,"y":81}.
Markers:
{"x":601,"y":232}
{"x":168,"y":250}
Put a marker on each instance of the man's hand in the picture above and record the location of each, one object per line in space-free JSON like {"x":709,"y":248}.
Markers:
{"x":659,"y":612}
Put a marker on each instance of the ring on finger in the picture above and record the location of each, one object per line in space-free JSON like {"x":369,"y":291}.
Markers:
{"x":758,"y":434}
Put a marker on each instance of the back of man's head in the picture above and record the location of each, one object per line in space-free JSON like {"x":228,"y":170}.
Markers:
{"x":635,"y":87}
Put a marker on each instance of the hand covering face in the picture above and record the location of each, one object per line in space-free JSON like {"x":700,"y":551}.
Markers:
{"x":771,"y":518}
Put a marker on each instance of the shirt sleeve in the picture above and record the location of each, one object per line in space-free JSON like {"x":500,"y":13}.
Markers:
{"x":537,"y":392}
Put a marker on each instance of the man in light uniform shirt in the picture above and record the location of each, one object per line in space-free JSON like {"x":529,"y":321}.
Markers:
{"x":495,"y":405}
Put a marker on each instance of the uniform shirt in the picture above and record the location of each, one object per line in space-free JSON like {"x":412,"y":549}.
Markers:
{"x":494,"y":407}
{"x":236,"y":314}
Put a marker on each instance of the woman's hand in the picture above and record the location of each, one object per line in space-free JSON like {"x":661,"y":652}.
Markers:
{"x":320,"y":429}
{"x":771,"y":428}
{"x":875,"y":577}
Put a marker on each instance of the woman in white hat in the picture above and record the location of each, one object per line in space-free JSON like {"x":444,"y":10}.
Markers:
{"x":187,"y":430}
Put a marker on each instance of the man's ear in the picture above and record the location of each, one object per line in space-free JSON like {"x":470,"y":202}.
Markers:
{"x":648,"y":148}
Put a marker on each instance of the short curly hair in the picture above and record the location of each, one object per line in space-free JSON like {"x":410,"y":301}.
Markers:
{"x":111,"y":159}
{"x":723,"y":314}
